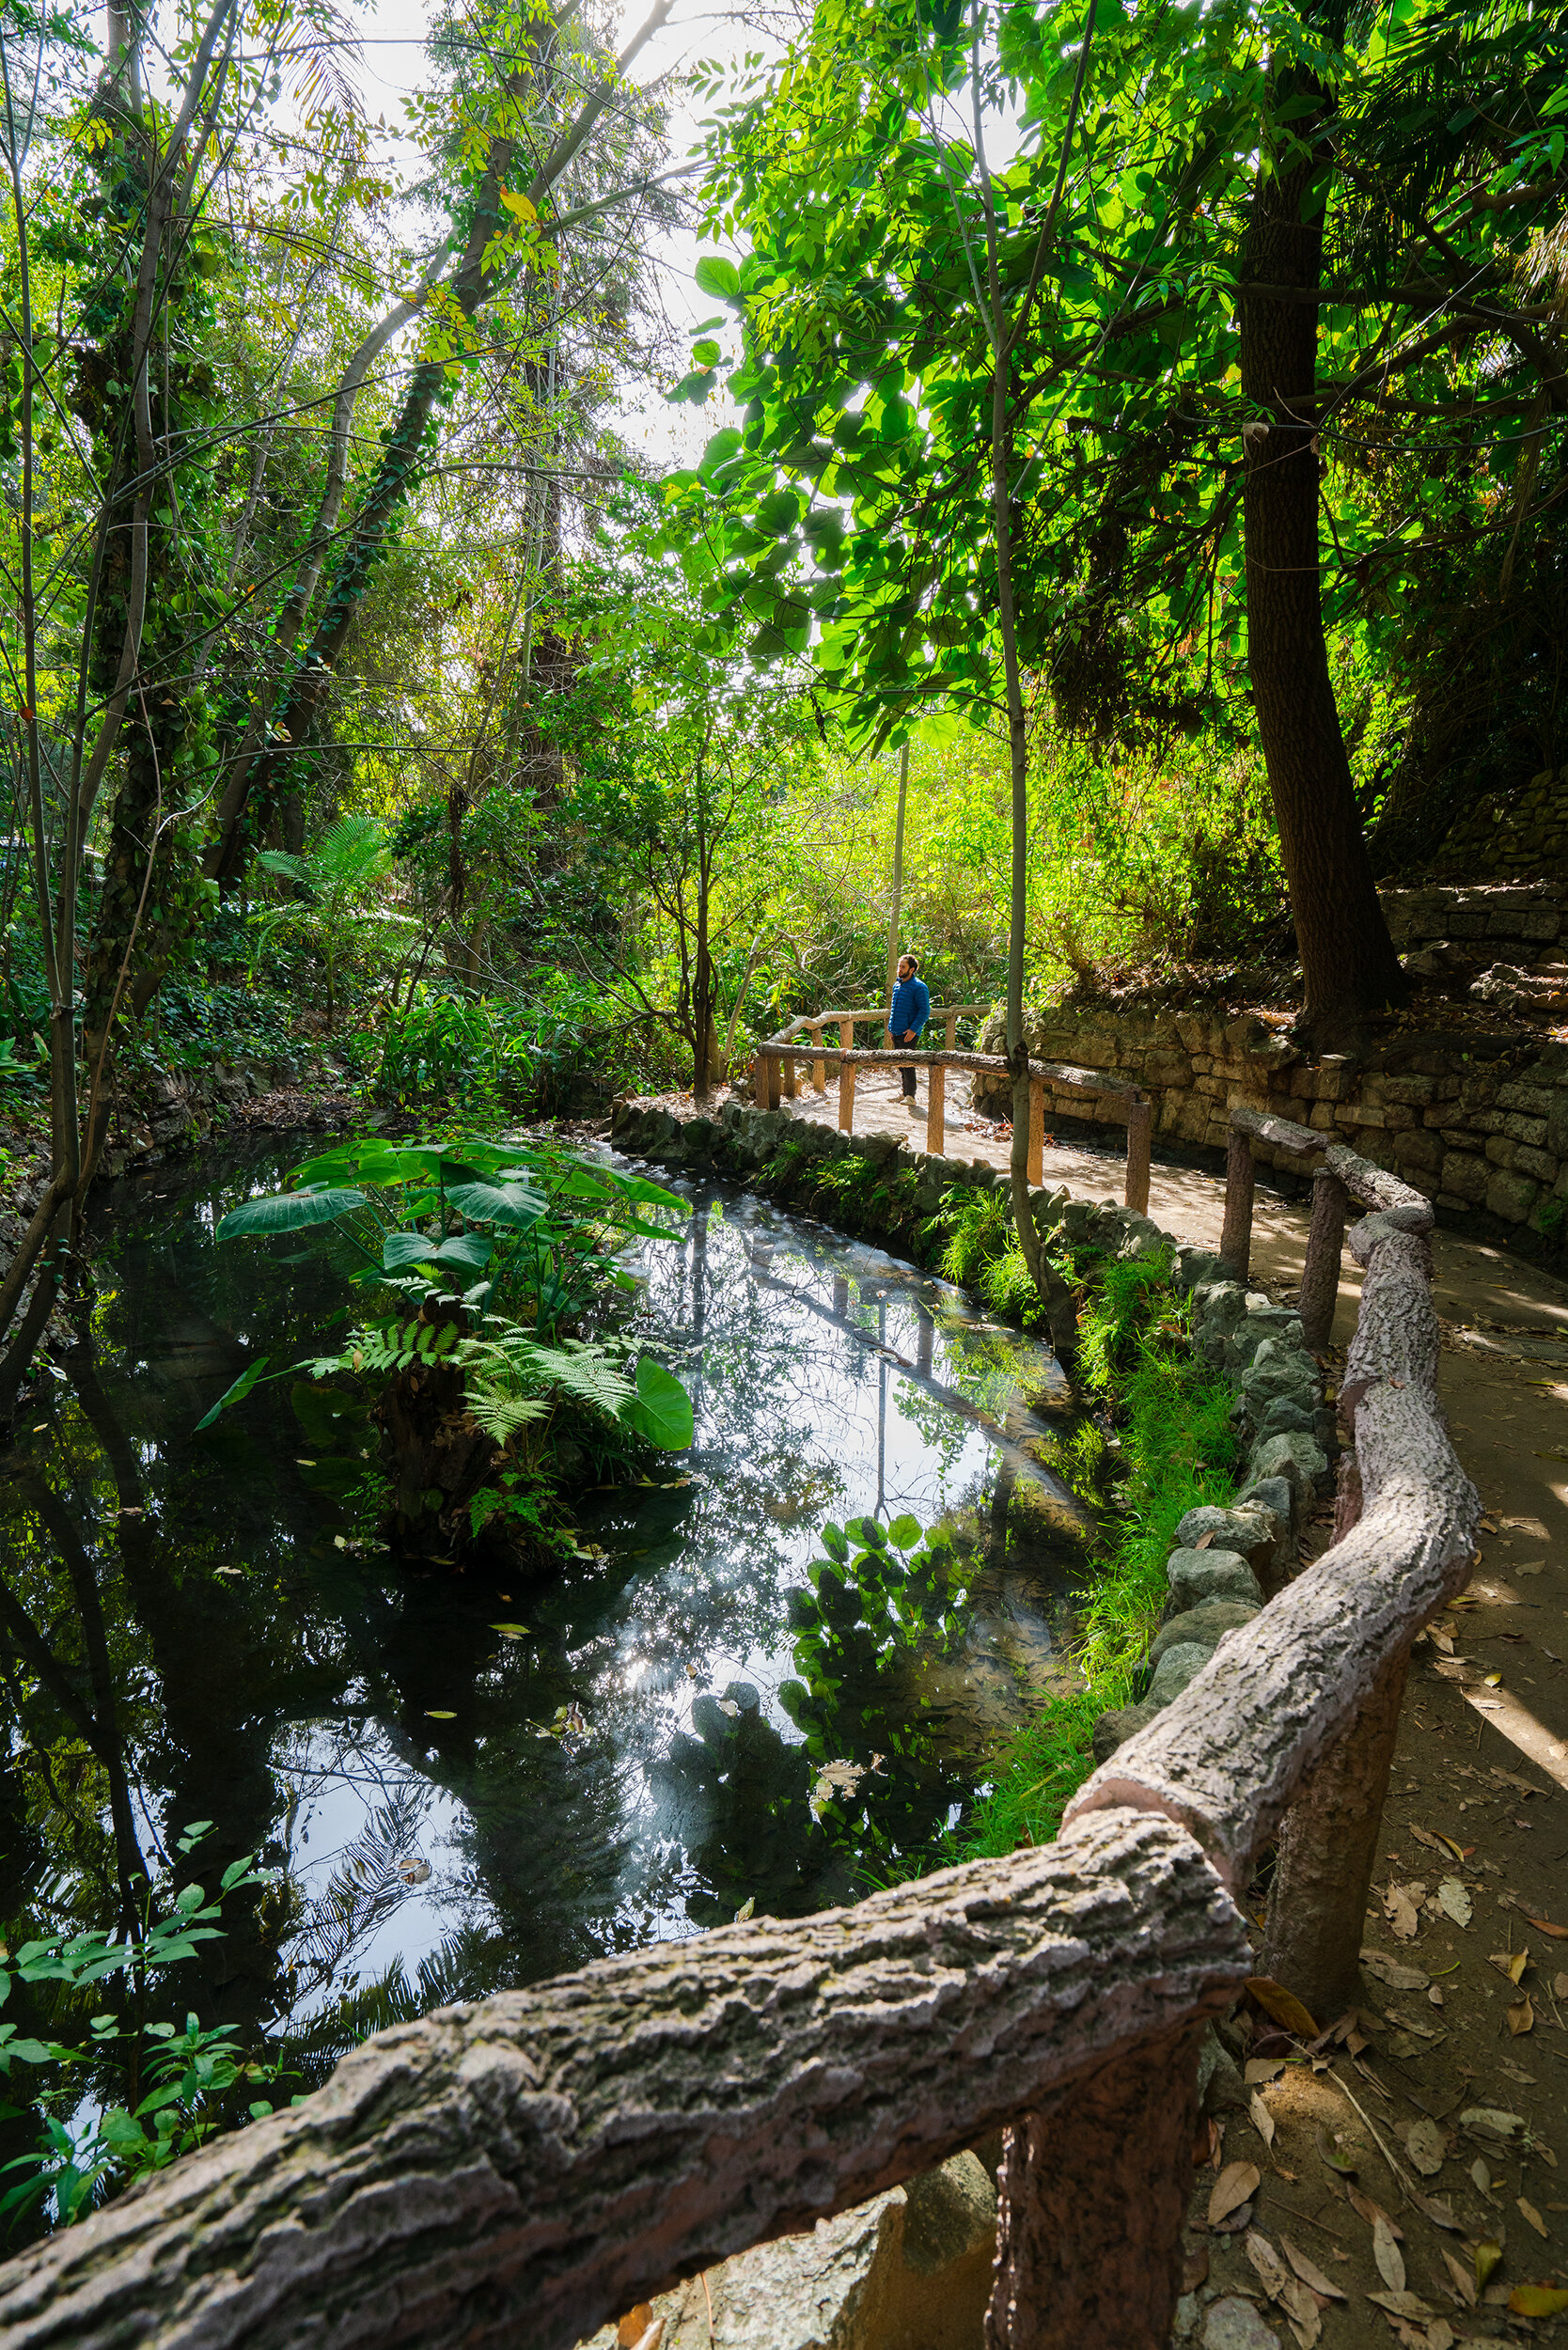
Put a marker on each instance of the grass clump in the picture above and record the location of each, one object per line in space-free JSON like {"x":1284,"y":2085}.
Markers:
{"x":1178,"y":1449}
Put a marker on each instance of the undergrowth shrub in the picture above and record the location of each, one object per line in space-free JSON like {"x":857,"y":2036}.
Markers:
{"x":1176,"y":1447}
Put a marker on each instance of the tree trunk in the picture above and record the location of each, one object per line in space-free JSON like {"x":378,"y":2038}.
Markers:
{"x":898,"y":874}
{"x":1348,"y":964}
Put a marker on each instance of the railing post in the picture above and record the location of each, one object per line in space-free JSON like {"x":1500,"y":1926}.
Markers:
{"x":791,"y":1081}
{"x":1327,"y":1847}
{"x":1140,"y":1132}
{"x":1037,"y":1129}
{"x":936,"y":1078}
{"x":819,"y":1074}
{"x":1094,"y":2191}
{"x":768,"y":1071}
{"x":846,"y":1096}
{"x":1319,"y":1274}
{"x":1235,"y":1240}
{"x":950,"y":1025}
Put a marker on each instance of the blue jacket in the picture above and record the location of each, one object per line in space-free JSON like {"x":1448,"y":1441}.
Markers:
{"x":911,"y":1005}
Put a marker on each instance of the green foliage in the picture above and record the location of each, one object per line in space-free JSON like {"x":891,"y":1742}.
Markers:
{"x":540,"y":1226}
{"x":176,"y":2084}
{"x":1176,"y":1449}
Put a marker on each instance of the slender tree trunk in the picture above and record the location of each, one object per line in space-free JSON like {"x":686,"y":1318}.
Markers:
{"x":898,"y":874}
{"x":1348,"y":964}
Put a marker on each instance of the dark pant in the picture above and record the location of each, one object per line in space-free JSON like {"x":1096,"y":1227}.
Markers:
{"x":906,"y":1076}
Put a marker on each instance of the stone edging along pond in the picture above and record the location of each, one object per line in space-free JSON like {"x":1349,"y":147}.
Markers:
{"x":1226,"y":1562}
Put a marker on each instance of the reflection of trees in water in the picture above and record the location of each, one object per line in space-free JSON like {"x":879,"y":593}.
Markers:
{"x":181,"y":1639}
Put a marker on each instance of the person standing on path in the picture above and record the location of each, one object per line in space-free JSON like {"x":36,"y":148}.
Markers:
{"x":907,"y":1015}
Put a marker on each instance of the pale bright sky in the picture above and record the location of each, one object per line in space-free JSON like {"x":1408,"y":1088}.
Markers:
{"x":394,"y":64}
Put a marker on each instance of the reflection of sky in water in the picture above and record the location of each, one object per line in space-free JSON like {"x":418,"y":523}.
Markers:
{"x":367,"y":1717}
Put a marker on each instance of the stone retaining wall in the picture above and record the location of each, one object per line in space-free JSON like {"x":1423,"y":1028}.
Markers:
{"x":1478,"y":1123}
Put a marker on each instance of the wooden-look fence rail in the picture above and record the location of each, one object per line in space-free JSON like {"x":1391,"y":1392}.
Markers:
{"x":778,"y":1058}
{"x":523,"y":2167}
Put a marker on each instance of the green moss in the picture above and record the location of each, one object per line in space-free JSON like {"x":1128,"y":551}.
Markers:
{"x":1178,"y":1449}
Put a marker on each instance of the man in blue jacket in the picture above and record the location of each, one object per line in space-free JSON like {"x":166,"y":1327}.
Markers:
{"x":907,"y":1015}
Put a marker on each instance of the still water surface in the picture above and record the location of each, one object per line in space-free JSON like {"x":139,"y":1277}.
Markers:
{"x":197,"y":1621}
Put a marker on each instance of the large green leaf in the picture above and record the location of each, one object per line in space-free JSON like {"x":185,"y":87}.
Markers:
{"x":513,"y":1205}
{"x":250,"y":1377}
{"x":714,"y":274}
{"x":470,"y":1250}
{"x":663,"y":1410}
{"x":289,"y":1212}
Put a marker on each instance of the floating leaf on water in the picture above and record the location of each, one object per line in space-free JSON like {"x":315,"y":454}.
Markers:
{"x":439,"y":1714}
{"x":747,"y":1909}
{"x":511,"y":1631}
{"x":1236,"y":2186}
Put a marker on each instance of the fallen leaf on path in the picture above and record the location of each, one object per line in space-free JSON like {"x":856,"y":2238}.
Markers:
{"x":1385,"y":2252}
{"x":1538,"y":2301}
{"x":1344,"y":2164}
{"x":1515,"y":2072}
{"x":1371,"y":2213}
{"x":1308,"y":2271}
{"x":1258,"y":2069}
{"x":1454,"y":1901}
{"x":1463,"y":2282}
{"x":1527,"y":2211}
{"x":1402,"y":2304}
{"x":1521,"y":2016}
{"x":1440,"y":2214}
{"x":1487,"y":2257}
{"x":1262,"y":2121}
{"x":1396,"y":1972}
{"x":1301,"y":2311}
{"x":1544,"y":1925}
{"x":1283,"y":2006}
{"x":634,"y":2324}
{"x":1204,"y":1540}
{"x":1236,"y":2186}
{"x":1510,"y":1962}
{"x":1266,"y":2260}
{"x":1491,"y":2125}
{"x":1560,"y":1986}
{"x":1426,"y":2148}
{"x":1479,"y":2176}
{"x":1402,"y":1908}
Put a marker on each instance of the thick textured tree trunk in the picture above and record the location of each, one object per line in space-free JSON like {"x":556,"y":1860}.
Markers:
{"x":1348,"y":964}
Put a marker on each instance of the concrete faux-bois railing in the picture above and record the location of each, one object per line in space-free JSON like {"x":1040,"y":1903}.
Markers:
{"x":779,"y":1057}
{"x":521,"y":2169}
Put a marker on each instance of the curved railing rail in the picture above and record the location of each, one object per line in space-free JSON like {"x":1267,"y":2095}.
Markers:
{"x":523,"y":2167}
{"x":779,"y":1056}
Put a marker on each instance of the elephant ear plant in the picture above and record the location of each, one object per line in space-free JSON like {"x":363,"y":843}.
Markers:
{"x":492,"y":1406}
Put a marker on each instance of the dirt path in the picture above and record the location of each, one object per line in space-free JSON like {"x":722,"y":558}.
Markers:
{"x":1467,"y":2011}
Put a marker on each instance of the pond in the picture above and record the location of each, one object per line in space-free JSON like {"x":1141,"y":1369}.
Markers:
{"x":468,"y":1781}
